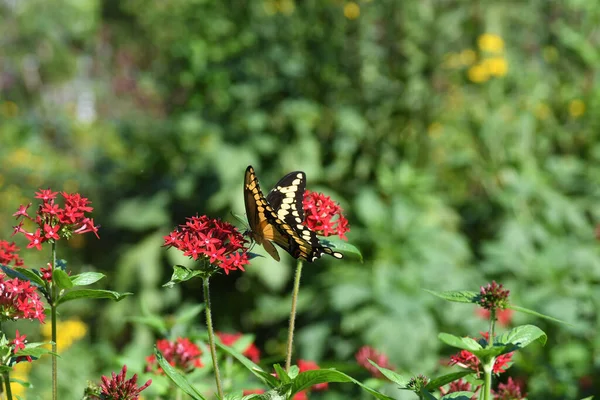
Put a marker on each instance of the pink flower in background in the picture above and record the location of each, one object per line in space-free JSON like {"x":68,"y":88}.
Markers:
{"x":508,"y":391}
{"x":504,"y":316}
{"x":217,"y":242}
{"x":324,"y":216}
{"x":366,"y":353}
{"x":181,"y":354}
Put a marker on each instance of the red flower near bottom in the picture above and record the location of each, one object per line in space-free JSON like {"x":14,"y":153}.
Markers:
{"x":508,"y":391}
{"x":117,"y":388}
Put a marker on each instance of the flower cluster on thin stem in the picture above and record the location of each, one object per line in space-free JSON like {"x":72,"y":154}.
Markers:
{"x":493,"y":297}
{"x":54,"y":222}
{"x":323,"y":215}
{"x":212,"y":240}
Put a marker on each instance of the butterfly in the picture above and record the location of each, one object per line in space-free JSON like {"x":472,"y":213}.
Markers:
{"x":278,"y":217}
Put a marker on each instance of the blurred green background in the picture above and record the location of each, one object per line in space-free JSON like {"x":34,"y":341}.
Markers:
{"x":459,"y":137}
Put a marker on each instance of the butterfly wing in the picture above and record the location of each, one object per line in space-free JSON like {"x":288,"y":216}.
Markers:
{"x":284,"y":217}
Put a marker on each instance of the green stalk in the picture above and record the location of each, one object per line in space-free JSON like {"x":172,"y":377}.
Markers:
{"x":290,"y":341}
{"x":53,"y":306}
{"x":7,"y":384}
{"x":487,"y":380}
{"x":211,"y":337}
{"x":492,"y":327}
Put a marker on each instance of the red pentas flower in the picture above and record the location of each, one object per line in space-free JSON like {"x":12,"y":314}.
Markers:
{"x":119,"y":388}
{"x":229,"y":339}
{"x":215,"y":241}
{"x":323,"y":215}
{"x":468,"y":360}
{"x":508,"y":391}
{"x":18,"y":299}
{"x":366,"y":353}
{"x":181,"y":353}
{"x":55,"y":222}
{"x":9,"y":254}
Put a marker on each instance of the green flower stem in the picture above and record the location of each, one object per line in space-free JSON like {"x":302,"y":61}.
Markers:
{"x":487,"y":379}
{"x":211,"y":337}
{"x":290,"y":342}
{"x":53,"y":300}
{"x":492,"y":327}
{"x":6,"y":377}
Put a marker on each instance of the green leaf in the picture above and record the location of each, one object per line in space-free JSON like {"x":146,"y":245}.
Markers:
{"x":265,"y":377}
{"x":457,"y":296}
{"x":86,"y":278}
{"x":536,"y":314}
{"x":440,"y":381}
{"x":426,"y":395}
{"x":284,"y":378}
{"x":62,"y":279}
{"x":522,"y":336}
{"x":181,"y":274}
{"x":391,"y":375}
{"x":306,"y":379}
{"x":31,"y":276}
{"x":34,"y":351}
{"x":23,"y":274}
{"x":465,"y":343}
{"x":342,"y":246}
{"x":92,"y":294}
{"x":177,"y":377}
{"x":458,"y":396}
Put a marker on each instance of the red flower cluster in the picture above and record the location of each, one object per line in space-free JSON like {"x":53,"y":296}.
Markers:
{"x":181,"y":353}
{"x":217,"y":241}
{"x":118,"y":388}
{"x":508,"y":391}
{"x":468,"y":360}
{"x":323,"y":215}
{"x":229,"y":339}
{"x":55,"y":222}
{"x":493,"y":297}
{"x":366,"y":353}
{"x":18,"y":299}
{"x":9,"y":253}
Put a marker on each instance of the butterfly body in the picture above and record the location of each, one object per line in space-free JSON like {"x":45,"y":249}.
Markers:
{"x":278,"y":217}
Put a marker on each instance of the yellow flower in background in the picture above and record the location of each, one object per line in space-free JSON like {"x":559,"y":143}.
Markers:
{"x":287,"y":7}
{"x":351,"y":10}
{"x":491,"y":43}
{"x":435,"y":129}
{"x":496,"y":66}
{"x":478,"y":73}
{"x":270,"y":7}
{"x":20,"y":371}
{"x":542,"y":111}
{"x":576,"y":108}
{"x":68,"y":332}
{"x":468,"y":57}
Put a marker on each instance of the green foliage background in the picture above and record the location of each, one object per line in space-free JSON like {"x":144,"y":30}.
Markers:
{"x":449,"y":178}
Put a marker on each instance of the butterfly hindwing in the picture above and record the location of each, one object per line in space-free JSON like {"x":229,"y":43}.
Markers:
{"x":278,"y":217}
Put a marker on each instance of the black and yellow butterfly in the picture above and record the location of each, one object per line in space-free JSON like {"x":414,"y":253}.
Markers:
{"x":278,"y":217}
